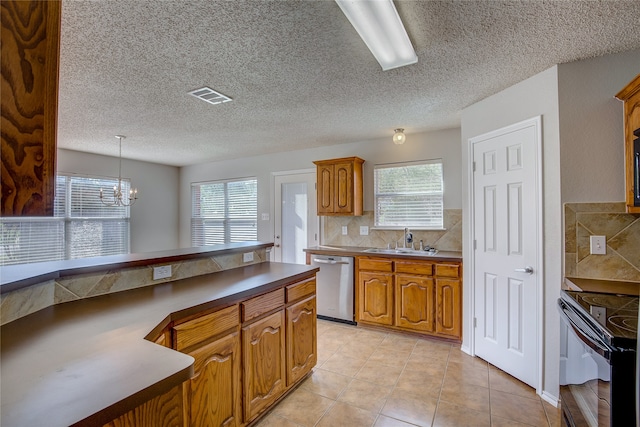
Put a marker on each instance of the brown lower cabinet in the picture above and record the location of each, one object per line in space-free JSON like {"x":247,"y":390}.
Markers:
{"x":421,"y":296}
{"x":247,"y":355}
{"x":264,"y":363}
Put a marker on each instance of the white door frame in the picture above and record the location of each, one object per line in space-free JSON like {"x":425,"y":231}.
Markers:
{"x":274,"y":201}
{"x":539,"y":268}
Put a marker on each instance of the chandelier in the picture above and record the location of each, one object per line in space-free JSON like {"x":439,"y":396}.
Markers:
{"x":118,"y":199}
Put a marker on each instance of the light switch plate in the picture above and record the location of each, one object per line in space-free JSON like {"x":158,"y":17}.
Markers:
{"x":364,"y":230}
{"x":598,"y":245}
{"x":265,"y":216}
{"x":344,"y":230}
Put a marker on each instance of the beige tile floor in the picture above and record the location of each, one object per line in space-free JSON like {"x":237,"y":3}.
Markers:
{"x":368,"y":378}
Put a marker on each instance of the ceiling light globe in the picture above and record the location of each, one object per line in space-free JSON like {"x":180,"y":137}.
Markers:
{"x":399,"y":137}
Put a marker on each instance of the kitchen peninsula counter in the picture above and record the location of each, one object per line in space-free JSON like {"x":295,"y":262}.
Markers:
{"x":86,"y":362}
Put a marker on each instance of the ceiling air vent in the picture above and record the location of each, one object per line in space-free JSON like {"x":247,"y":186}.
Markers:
{"x":209,"y":95}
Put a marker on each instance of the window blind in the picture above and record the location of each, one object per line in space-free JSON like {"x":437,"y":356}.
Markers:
{"x":81,"y":226}
{"x":409,"y":195}
{"x":224,"y":212}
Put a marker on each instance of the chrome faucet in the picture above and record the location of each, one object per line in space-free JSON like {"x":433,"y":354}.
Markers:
{"x":408,"y":238}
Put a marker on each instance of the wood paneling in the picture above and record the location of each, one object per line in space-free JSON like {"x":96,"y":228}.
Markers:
{"x":302,"y":347}
{"x":339,"y":186}
{"x":214,"y":391}
{"x":301,"y":290}
{"x":199,"y":329}
{"x":631,"y":97}
{"x":415,"y":308}
{"x":375,"y":298}
{"x":413,"y":295}
{"x":162,"y":411}
{"x":264,"y":363}
{"x":258,"y":306}
{"x":30,"y":49}
{"x":449,"y":307}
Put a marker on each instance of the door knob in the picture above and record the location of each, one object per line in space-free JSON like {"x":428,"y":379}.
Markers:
{"x":528,"y":270}
{"x":277,"y":237}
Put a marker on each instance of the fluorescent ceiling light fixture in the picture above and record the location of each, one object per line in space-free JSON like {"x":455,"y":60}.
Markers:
{"x":379,"y":25}
{"x":209,"y":95}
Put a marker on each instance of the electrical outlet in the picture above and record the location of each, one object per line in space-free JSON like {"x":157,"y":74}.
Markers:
{"x":344,"y":230}
{"x":364,"y":230}
{"x":598,"y":245}
{"x":247,"y":257}
{"x":265,"y":216}
{"x":163,"y":272}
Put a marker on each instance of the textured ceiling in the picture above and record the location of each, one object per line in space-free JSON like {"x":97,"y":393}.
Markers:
{"x":298,"y":73}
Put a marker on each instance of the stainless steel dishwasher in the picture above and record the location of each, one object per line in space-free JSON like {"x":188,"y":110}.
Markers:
{"x":334,"y":287}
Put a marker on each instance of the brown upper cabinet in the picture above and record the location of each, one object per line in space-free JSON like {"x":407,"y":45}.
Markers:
{"x":339,"y":186}
{"x":30,"y":50}
{"x":631,"y":97}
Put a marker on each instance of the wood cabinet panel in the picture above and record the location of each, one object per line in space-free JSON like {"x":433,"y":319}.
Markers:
{"x":344,"y":188}
{"x":204,"y":327}
{"x":414,"y":295}
{"x":325,"y":184}
{"x":264,"y":363}
{"x":301,"y":290}
{"x":262,"y":304}
{"x":375,"y":298}
{"x":302,"y":347}
{"x":447,"y":270}
{"x":214,"y":391}
{"x":631,"y":97}
{"x":415,"y":306}
{"x":371,"y":264}
{"x":449,"y":307}
{"x":339,"y":186}
{"x":30,"y":34}
{"x":165,"y":410}
{"x":414,"y":267}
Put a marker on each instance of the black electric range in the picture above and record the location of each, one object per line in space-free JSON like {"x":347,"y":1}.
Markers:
{"x":598,"y":367}
{"x":613,"y":316}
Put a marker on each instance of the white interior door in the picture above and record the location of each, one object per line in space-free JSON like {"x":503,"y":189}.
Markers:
{"x":296,"y":220}
{"x":507,"y":233}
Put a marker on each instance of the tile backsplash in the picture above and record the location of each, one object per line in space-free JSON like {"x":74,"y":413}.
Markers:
{"x":22,"y":302}
{"x":449,"y":239}
{"x":622,"y":231}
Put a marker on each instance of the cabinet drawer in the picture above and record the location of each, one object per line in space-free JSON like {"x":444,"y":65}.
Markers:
{"x":375,"y":264}
{"x":264,"y":303}
{"x":412,"y":267}
{"x":302,"y":289}
{"x":204,"y":327}
{"x":448,"y":270}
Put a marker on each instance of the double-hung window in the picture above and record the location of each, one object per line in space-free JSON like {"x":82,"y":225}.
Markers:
{"x":81,"y":225}
{"x":409,"y":195}
{"x":224,"y":212}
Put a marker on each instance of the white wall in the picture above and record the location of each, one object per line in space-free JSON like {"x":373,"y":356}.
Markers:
{"x":154,"y":217}
{"x":536,"y":96}
{"x":591,"y":126}
{"x":443,"y":144}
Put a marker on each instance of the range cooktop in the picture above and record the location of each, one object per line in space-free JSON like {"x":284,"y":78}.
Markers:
{"x":616,"y":314}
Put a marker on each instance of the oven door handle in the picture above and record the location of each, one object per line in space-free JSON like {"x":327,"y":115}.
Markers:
{"x":594,"y":343}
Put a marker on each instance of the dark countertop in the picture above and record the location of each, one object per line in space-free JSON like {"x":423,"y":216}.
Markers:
{"x":360,"y":251}
{"x":86,"y":362}
{"x":13,"y":277}
{"x":601,"y":286}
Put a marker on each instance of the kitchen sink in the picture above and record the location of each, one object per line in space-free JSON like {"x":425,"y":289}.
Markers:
{"x":401,"y":251}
